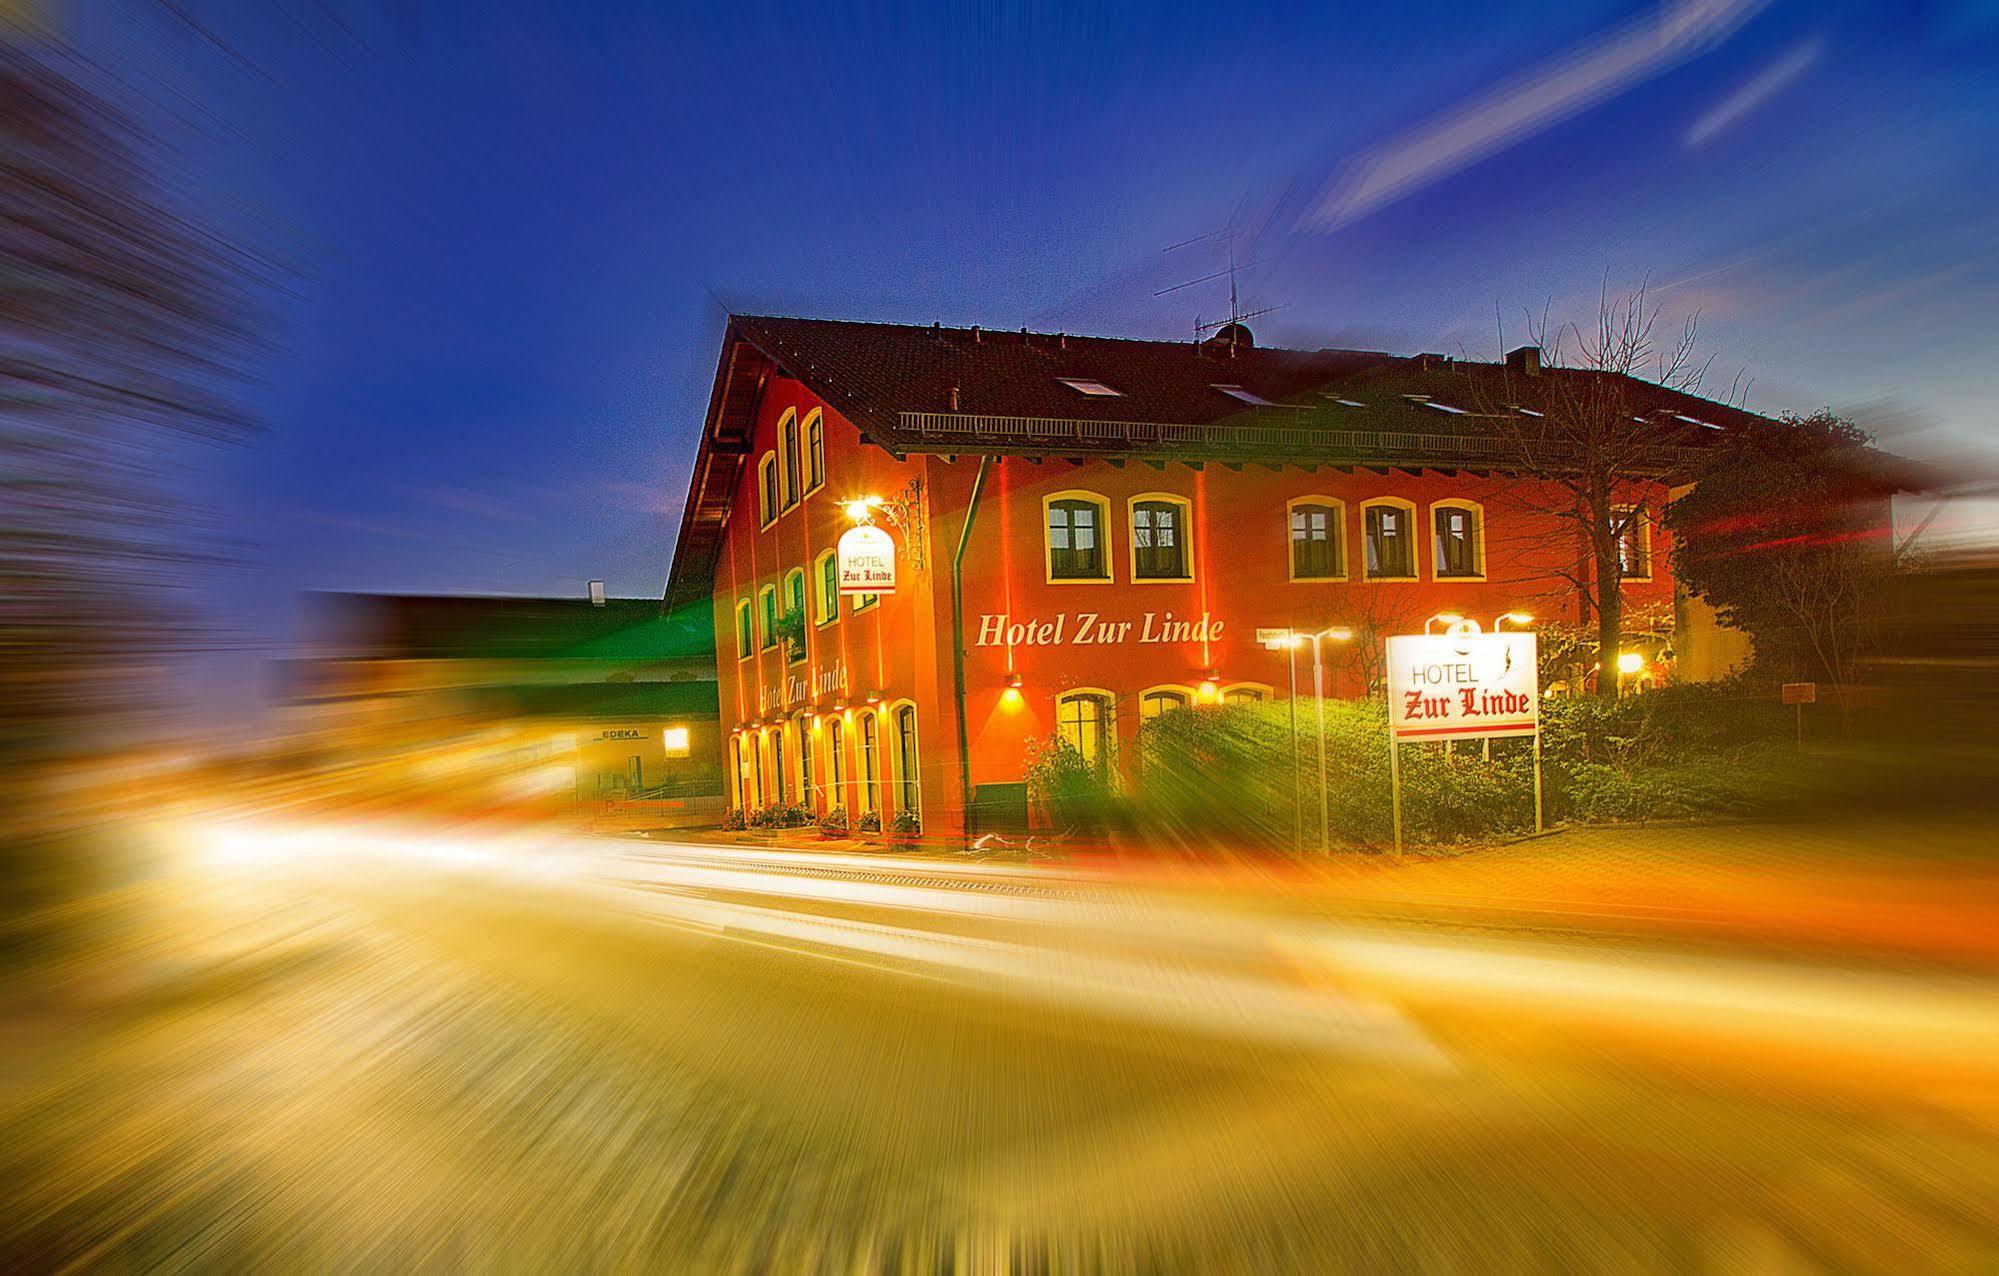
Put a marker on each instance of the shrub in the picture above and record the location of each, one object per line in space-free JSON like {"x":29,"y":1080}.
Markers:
{"x":833,"y":823}
{"x":734,"y":821}
{"x":905,"y":825}
{"x":870,"y":822}
{"x":1070,"y":792}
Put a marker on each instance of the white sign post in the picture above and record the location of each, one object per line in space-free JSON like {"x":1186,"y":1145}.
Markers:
{"x":1461,"y":685}
{"x":866,"y":557}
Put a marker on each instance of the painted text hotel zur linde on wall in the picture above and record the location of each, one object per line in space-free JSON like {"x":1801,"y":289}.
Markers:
{"x":1105,"y":524}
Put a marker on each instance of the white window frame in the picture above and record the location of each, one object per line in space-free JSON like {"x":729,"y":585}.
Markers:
{"x":1186,"y":506}
{"x":1340,"y":556}
{"x":1477,"y":512}
{"x":1415,"y":538}
{"x":1106,"y":551}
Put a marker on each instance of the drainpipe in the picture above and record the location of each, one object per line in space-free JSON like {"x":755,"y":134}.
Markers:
{"x":958,"y":640}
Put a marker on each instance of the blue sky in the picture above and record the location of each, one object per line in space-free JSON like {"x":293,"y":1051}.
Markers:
{"x":511,"y":231}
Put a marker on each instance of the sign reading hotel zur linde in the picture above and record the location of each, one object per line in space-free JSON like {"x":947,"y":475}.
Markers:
{"x":1091,"y":628}
{"x":1462,"y":685}
{"x":866,"y":561}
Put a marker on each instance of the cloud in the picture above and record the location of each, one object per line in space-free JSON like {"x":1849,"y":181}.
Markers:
{"x":1569,"y":82}
{"x":1759,"y":89}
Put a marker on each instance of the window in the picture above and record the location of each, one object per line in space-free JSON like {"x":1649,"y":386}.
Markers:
{"x":905,"y":758}
{"x":777,"y":772}
{"x":767,"y":600}
{"x":1634,"y":541}
{"x":1162,"y":700}
{"x":1250,"y":397}
{"x":870,"y":771}
{"x":787,"y":448}
{"x":1076,"y":527}
{"x":826,"y":576}
{"x":1159,"y":539}
{"x":676,"y":742}
{"x":1095,"y":389}
{"x":1317,"y":530}
{"x":746,"y":638}
{"x":1084,"y":719}
{"x":1391,"y":539}
{"x":815,"y":452}
{"x":1459,"y":551}
{"x":635,"y":772}
{"x":806,"y":794}
{"x":864,"y":601}
{"x":794,"y":607}
{"x":767,"y":485}
{"x":757,"y":771}
{"x":1245,"y":693}
{"x":836,"y":759}
{"x":739,"y":779}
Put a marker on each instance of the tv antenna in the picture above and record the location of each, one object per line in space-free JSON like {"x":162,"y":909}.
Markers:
{"x":1228,"y":235}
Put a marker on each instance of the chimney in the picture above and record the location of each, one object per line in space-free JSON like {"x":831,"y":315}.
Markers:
{"x":977,"y":337}
{"x":596,"y":593}
{"x":954,"y":398}
{"x":1062,"y":340}
{"x":1526,"y":361}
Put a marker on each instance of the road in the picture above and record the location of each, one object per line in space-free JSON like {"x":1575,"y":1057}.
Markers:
{"x":383,"y":1048}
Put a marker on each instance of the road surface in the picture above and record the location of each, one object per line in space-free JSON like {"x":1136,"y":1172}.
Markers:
{"x":382,"y":1048}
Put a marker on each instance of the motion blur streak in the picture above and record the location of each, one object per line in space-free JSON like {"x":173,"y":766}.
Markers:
{"x":317,"y":1045}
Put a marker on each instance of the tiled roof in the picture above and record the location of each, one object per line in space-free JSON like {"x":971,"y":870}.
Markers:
{"x":911,"y":388}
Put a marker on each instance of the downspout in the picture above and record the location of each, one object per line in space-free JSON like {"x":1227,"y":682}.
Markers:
{"x":958,"y":640}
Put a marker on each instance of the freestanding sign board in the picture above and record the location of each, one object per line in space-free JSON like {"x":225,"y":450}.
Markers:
{"x":866,"y":560}
{"x":1461,"y":685}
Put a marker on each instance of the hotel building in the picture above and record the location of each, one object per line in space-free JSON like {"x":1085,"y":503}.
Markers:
{"x":1089,"y":532}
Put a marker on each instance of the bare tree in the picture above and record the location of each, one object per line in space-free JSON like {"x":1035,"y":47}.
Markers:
{"x":1593,"y":437}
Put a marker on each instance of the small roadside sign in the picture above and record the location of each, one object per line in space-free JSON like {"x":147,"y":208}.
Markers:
{"x":1801,"y":693}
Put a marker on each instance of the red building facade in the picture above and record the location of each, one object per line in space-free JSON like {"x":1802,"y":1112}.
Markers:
{"x":1090,"y":532}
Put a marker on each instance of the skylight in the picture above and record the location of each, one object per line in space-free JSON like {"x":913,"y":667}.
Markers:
{"x":1528,"y":412}
{"x":1694,"y":420}
{"x":1444,"y":407}
{"x":1345,"y":403}
{"x":1247,"y":396}
{"x":1095,"y":389}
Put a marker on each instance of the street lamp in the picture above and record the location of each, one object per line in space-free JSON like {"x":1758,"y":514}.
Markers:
{"x":1515,"y":618}
{"x":1293,"y":638}
{"x":1448,"y":617}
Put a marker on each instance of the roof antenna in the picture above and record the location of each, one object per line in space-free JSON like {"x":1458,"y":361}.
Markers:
{"x":1232,"y":325}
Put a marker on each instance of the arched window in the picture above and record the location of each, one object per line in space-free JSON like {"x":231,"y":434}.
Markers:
{"x":870,"y":765}
{"x":1390,"y":526}
{"x":815,"y":452}
{"x":1458,"y":550}
{"x":794,"y":606}
{"x":1078,"y":533}
{"x":1245,"y":693}
{"x":787,"y":449}
{"x":767,"y":604}
{"x":763,"y":764}
{"x":777,"y":774}
{"x":905,"y":759}
{"x":1162,"y":700}
{"x":746,"y":637}
{"x":836,"y":759}
{"x":807,"y":793}
{"x":1086,"y":720}
{"x":736,"y":772}
{"x":1318,"y":539}
{"x":1161,"y":537}
{"x":826,"y":585}
{"x":767,"y":510}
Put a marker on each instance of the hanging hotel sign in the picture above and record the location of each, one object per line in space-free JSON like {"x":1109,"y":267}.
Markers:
{"x":1462,"y":685}
{"x":866,"y":561}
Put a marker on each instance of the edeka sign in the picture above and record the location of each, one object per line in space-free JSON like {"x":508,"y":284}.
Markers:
{"x":866,"y":561}
{"x":1093,"y":629}
{"x":1462,"y":685}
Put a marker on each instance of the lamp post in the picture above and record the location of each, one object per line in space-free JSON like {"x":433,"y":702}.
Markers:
{"x":1517,"y":619}
{"x":1448,"y":617}
{"x":1293,"y":638}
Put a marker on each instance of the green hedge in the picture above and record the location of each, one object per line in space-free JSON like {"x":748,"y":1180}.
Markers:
{"x":1225,"y":775}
